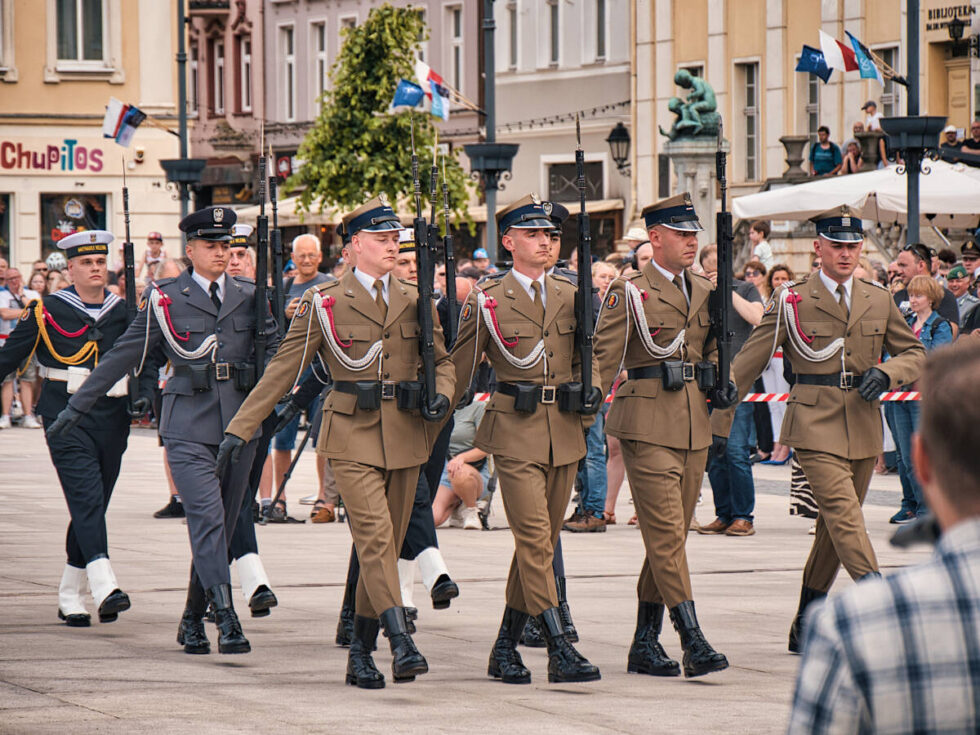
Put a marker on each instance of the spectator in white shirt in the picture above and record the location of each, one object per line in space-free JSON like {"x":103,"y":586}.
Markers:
{"x":761,"y":249}
{"x":872,"y":121}
{"x":13,"y":300}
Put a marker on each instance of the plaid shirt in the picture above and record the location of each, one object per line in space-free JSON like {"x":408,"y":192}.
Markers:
{"x":898,"y":655}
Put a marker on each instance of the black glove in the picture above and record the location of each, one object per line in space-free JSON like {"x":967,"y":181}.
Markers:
{"x":286,"y":412}
{"x":592,"y":402}
{"x":66,"y":420}
{"x":141,"y":406}
{"x":724,"y":396}
{"x":229,"y":451}
{"x":437,"y":409}
{"x":873,"y":384}
{"x":719,"y":445}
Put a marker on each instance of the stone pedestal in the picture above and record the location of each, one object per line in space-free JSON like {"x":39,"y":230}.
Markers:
{"x":693,"y":161}
{"x":794,"y":145}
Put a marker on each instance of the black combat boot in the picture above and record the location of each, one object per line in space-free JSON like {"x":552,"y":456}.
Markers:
{"x":646,"y":655}
{"x":361,"y":671}
{"x":699,"y":657}
{"x":191,"y":633}
{"x":566,"y":613}
{"x":807,"y":597}
{"x":505,"y":662}
{"x":531,"y":636}
{"x":230,"y":636}
{"x":345,"y":625}
{"x":406,"y":661}
{"x":564,"y":662}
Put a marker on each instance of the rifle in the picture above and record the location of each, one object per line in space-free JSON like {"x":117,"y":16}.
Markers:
{"x":720,"y":305}
{"x":129,"y":268}
{"x":423,"y":255}
{"x":584,"y":307}
{"x":447,"y":248}
{"x":275,"y":240}
{"x":261,"y":275}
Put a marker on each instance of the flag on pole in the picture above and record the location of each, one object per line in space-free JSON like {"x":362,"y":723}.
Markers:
{"x":114,"y":112}
{"x":838,"y":55}
{"x":814,"y":62}
{"x":434,"y":88}
{"x":866,"y":66}
{"x":407,"y":94}
{"x":131,"y":120}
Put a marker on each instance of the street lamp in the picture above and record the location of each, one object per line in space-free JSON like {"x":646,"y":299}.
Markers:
{"x":619,"y":146}
{"x":916,"y":138}
{"x":956,"y":29}
{"x":489,"y":163}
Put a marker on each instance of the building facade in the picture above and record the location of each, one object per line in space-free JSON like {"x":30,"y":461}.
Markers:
{"x":555,"y":59}
{"x":60,"y":62}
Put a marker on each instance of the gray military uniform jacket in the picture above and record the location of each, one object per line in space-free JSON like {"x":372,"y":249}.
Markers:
{"x":195,"y":416}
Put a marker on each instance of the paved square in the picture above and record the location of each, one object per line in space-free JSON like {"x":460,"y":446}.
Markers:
{"x":130,"y":676}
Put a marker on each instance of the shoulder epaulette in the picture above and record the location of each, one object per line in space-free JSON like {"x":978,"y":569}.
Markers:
{"x":328,"y":284}
{"x":244,"y":279}
{"x":701,"y":276}
{"x":490,"y":280}
{"x":164,"y":281}
{"x":566,"y":278}
{"x":406,"y":282}
{"x":632,"y":276}
{"x":873,"y":283}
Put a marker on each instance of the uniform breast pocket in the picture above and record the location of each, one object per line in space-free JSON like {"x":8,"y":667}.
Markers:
{"x":823,"y":333}
{"x":873,"y":337}
{"x":566,"y":332}
{"x":338,"y":420}
{"x":243,"y":323}
{"x":409,"y":348}
{"x":525,"y":333}
{"x":359,"y":336}
{"x":189,"y":325}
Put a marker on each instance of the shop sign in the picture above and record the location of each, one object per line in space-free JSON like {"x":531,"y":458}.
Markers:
{"x":937,"y":14}
{"x":65,"y":156}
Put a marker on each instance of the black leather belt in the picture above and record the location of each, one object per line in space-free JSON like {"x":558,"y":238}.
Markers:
{"x":388,"y":388}
{"x":656,"y":372}
{"x":220,"y":371}
{"x":540,"y":393}
{"x":845,"y":380}
{"x":370,"y":393}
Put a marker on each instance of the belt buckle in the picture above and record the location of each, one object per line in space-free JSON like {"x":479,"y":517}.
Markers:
{"x":387,"y":390}
{"x":222,"y":371}
{"x":687,"y":371}
{"x":548,"y":393}
{"x":846,"y":380}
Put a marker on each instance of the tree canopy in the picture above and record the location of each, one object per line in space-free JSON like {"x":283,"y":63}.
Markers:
{"x":356,"y":149}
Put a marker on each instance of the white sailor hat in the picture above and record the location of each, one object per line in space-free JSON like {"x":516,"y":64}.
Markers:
{"x":239,"y":236}
{"x":406,"y":239}
{"x":86,"y":242}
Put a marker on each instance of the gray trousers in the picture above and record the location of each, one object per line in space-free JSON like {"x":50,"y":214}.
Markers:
{"x":211,"y":507}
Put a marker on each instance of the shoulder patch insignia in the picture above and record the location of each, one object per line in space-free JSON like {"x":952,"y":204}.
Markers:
{"x":25,"y":314}
{"x":304,"y":308}
{"x":467,"y":311}
{"x":612,"y":301}
{"x":143,"y":303}
{"x":770,"y":306}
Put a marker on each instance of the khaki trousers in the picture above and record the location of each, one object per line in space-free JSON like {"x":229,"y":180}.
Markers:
{"x":378,"y":503}
{"x":839,"y":486}
{"x":665,"y":483}
{"x":535,"y":500}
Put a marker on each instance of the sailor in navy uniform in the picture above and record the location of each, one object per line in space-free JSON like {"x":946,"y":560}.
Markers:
{"x":69,"y":331}
{"x":204,"y":323}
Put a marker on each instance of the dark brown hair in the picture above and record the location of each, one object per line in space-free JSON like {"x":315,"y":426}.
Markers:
{"x":760,"y":225}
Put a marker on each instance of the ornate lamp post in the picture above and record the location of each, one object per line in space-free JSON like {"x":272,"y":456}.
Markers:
{"x":916,"y":138}
{"x":619,"y":148}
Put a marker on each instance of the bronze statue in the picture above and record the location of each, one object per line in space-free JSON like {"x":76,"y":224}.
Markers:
{"x":697,"y":116}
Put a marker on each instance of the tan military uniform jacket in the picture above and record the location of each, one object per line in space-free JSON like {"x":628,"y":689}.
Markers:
{"x":389,"y":438}
{"x":824,"y":418}
{"x":642,"y":410}
{"x":548,"y":436}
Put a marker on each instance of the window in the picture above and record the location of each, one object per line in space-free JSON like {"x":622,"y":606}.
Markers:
{"x":320,"y":59}
{"x":64,"y":214}
{"x":562,"y":179}
{"x":512,"y":19}
{"x":747,"y":126}
{"x":345,"y":23}
{"x":218,"y":71}
{"x":81,"y":25}
{"x":245,"y":72}
{"x":600,"y":30}
{"x":455,"y":25}
{"x":554,"y":33}
{"x":695,"y":70}
{"x":423,"y":41}
{"x":5,"y":227}
{"x":287,"y":54}
{"x":193,"y":82}
{"x":890,"y":103}
{"x":812,"y":107}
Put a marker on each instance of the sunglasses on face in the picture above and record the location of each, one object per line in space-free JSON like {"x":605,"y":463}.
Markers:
{"x":920,"y":251}
{"x":750,"y":273}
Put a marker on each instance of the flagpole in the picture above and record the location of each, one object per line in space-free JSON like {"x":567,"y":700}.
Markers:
{"x":913,"y":157}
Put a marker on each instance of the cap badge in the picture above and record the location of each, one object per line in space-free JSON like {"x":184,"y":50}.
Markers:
{"x":845,"y":221}
{"x":547,"y":207}
{"x":383,"y":198}
{"x":219,"y":215}
{"x":93,"y":237}
{"x":536,"y":199}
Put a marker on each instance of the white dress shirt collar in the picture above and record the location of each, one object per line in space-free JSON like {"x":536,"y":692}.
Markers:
{"x":526,"y":282}
{"x":205,"y":284}
{"x":368,"y":282}
{"x":671,"y":276}
{"x":831,"y":285}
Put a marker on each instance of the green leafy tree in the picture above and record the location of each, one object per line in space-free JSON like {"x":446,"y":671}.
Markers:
{"x":356,"y":149}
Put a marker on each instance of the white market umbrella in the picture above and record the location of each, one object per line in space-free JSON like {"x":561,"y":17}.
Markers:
{"x":949,"y":196}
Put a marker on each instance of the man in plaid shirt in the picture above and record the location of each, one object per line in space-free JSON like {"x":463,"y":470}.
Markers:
{"x":902,"y":654}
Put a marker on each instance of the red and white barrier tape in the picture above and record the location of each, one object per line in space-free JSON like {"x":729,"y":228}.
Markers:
{"x":894,"y":395}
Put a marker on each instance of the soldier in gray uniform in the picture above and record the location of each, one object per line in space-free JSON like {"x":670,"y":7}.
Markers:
{"x":204,"y":322}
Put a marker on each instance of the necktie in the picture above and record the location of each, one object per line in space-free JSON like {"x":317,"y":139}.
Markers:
{"x":678,"y":281}
{"x":379,"y":297}
{"x":215,"y":299}
{"x":536,"y":299}
{"x":842,"y":298}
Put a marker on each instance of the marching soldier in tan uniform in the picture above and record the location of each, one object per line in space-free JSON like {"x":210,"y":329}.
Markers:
{"x":365,"y":328}
{"x":525,"y":323}
{"x":655,"y":324}
{"x":834,"y":328}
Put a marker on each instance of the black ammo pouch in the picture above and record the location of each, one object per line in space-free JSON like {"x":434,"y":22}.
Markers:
{"x":368,"y":394}
{"x":409,"y":393}
{"x":570,"y":397}
{"x":706,"y":373}
{"x":526,"y":396}
{"x":200,"y":375}
{"x":244,"y":376}
{"x":673,"y":374}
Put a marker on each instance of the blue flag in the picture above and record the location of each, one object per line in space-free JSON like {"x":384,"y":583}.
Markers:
{"x":866,"y":67}
{"x":813,"y":61}
{"x":407,"y":94}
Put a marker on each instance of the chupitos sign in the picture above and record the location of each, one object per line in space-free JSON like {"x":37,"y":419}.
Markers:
{"x":64,"y":156}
